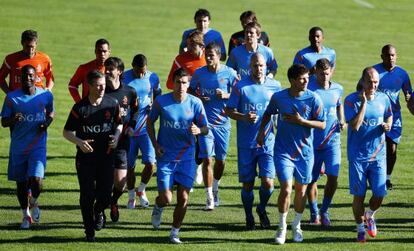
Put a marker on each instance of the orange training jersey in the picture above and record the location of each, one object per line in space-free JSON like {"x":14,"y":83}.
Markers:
{"x":80,"y":78}
{"x":187,"y":61}
{"x":14,"y":62}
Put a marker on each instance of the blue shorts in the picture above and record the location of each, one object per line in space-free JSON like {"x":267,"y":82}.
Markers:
{"x":215,"y":143}
{"x":331,"y":157}
{"x":170,"y":173}
{"x":395,"y":133}
{"x":374,"y":172}
{"x":23,"y":166}
{"x":248,"y":159}
{"x":286,"y":169}
{"x":144,"y":144}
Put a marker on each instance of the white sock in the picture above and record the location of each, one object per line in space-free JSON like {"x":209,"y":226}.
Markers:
{"x":209,"y":192}
{"x":131,"y":194}
{"x":215,"y":185}
{"x":174,"y":231}
{"x":141,"y":187}
{"x":26,"y":212}
{"x":369,"y":213}
{"x":282,"y":220}
{"x":388,"y":177}
{"x":296,"y":221}
{"x":361,"y":227}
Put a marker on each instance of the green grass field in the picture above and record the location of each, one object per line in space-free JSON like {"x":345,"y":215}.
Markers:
{"x":68,"y":30}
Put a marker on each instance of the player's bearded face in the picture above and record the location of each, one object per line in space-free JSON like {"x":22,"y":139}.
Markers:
{"x":212,"y":57}
{"x":370,"y":84}
{"x":112,"y":74}
{"x":102,"y":52}
{"x":29,"y":47}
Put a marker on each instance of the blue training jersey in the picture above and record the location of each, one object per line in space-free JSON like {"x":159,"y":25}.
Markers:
{"x":308,"y":56}
{"x":25,"y":134}
{"x":368,"y":143}
{"x":205,"y":83}
{"x":249,"y":96}
{"x":175,"y":121}
{"x":210,"y":36}
{"x":240,"y":57}
{"x":146,"y":88}
{"x":331,"y":100}
{"x":293,"y":141}
{"x":391,"y":83}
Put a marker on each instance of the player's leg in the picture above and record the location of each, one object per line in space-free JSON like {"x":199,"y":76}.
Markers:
{"x":130,"y":176}
{"x":312,"y":190}
{"x":104,"y":183}
{"x":165,"y":182}
{"x":221,"y":145}
{"x":206,"y":153}
{"x":247,"y":174}
{"x":36,"y":172}
{"x":148,"y":159}
{"x":358,"y":187}
{"x":391,"y":160}
{"x":120,"y":173}
{"x":267,"y":174}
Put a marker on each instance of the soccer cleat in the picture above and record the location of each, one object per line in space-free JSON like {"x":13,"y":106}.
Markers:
{"x":27,"y":221}
{"x":250,"y":224}
{"x":35,"y":214}
{"x":90,"y":238}
{"x":100,"y":220}
{"x":131,"y":204}
{"x":114,"y":213}
{"x":156,"y":216}
{"x":314,"y":219}
{"x":174,"y":239}
{"x":216,"y":199}
{"x":199,"y":177}
{"x":361,"y":237}
{"x":297,"y":234}
{"x":388,"y":184}
{"x":143,"y":200}
{"x":325,"y":219}
{"x":209,"y":204}
{"x":280,"y":237}
{"x":264,"y":220}
{"x":371,"y":226}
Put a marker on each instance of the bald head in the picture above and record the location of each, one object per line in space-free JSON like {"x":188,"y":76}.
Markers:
{"x":370,"y":80}
{"x":258,"y":67}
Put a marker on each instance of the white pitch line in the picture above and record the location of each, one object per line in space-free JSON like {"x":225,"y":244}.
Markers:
{"x":364,"y":4}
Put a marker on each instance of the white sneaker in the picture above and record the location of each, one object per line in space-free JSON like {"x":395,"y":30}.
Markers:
{"x":143,"y":200}
{"x":280,"y":237}
{"x":131,"y":204}
{"x":209,"y":204}
{"x":297,"y":234}
{"x":199,"y":177}
{"x":216,"y":199}
{"x":36,"y":214}
{"x":174,"y":239}
{"x":27,"y":221}
{"x":156,"y":217}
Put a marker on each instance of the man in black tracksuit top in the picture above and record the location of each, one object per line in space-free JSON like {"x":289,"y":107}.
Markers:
{"x":94,"y":125}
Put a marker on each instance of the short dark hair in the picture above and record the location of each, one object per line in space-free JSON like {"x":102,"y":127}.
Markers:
{"x":215,"y":47}
{"x":196,"y":37}
{"x":314,"y":29}
{"x":254,"y":25}
{"x":202,"y":13}
{"x":116,"y":62}
{"x":249,"y":14}
{"x":93,"y":75}
{"x":29,"y":35}
{"x":386,"y":48}
{"x":323,"y":64}
{"x":179,"y":73}
{"x":296,"y":70}
{"x":102,"y":41}
{"x":26,"y":67}
{"x":139,"y":60}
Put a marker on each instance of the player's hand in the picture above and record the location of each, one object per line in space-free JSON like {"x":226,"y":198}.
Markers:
{"x":159,"y":150}
{"x":407,"y":96}
{"x":251,"y":117}
{"x":342,"y":126}
{"x":195,"y":130}
{"x":221,"y":95}
{"x":293,"y":118}
{"x":386,"y":127}
{"x":18,"y":117}
{"x":113,"y":141}
{"x":204,"y":98}
{"x":363,"y":96}
{"x":85,"y":146}
{"x":129,"y":131}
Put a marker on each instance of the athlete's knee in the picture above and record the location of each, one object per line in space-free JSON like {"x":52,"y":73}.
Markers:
{"x":267,"y":183}
{"x":248,"y":186}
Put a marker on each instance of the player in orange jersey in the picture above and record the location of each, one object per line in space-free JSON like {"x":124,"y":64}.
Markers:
{"x":102,"y":52}
{"x":190,"y":60}
{"x":14,"y":62}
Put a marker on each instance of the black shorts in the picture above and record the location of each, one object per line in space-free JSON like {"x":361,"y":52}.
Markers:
{"x":120,"y":159}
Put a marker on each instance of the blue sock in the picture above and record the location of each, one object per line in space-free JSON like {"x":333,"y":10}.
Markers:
{"x":265,"y":194}
{"x":313,"y":206}
{"x":247,"y":199}
{"x":326,"y":203}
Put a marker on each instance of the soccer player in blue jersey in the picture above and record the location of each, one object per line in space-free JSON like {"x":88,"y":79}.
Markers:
{"x":393,"y":79}
{"x":299,"y":111}
{"x":240,"y":56}
{"x":212,"y":84}
{"x":369,"y":116}
{"x":316,"y":50}
{"x":202,"y":20}
{"x":147,"y":87}
{"x":247,"y":103}
{"x":327,"y":142}
{"x":28,"y":112}
{"x":182,"y":117}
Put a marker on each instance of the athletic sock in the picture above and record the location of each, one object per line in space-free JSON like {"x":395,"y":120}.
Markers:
{"x":115,"y":195}
{"x":247,"y":199}
{"x":370,"y":213}
{"x":209,"y":192}
{"x":296,"y":221}
{"x":215,"y":185}
{"x":388,"y":176}
{"x":174,"y":231}
{"x":282,"y":220}
{"x":131,"y":194}
{"x":141,"y":187}
{"x":313,"y":206}
{"x":326,"y":203}
{"x":264,"y":194}
{"x":361,"y":227}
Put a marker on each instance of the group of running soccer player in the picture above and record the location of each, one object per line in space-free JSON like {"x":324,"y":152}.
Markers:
{"x":113,"y":119}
